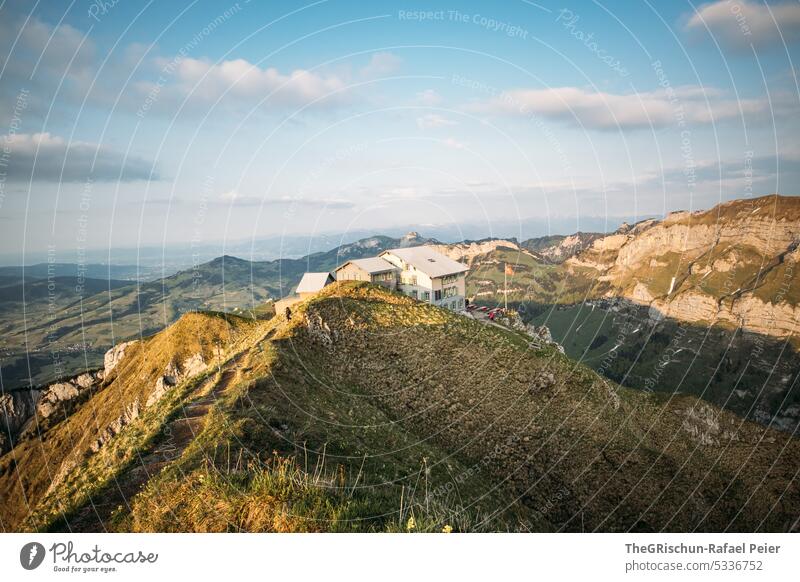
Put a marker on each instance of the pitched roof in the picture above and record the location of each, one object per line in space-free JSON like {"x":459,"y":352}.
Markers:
{"x":372,"y":265}
{"x":313,"y":282}
{"x":429,"y":261}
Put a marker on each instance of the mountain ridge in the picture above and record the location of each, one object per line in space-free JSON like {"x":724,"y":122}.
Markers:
{"x":377,"y":391}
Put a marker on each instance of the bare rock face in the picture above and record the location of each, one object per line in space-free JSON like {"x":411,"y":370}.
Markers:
{"x":114,"y":356}
{"x":544,"y":381}
{"x":61,"y":393}
{"x":174,"y":375}
{"x":163,"y":385}
{"x":468,"y":252}
{"x":610,"y":243}
{"x":726,"y":263}
{"x":54,"y":395}
{"x":540,"y":334}
{"x":129,"y":414}
{"x":692,"y":306}
{"x":86,"y":380}
{"x":194,"y":365}
{"x":15,"y":410}
{"x":773,"y":319}
{"x":18,"y":407}
{"x":641,"y":293}
{"x":739,"y":243}
{"x":568,"y":247}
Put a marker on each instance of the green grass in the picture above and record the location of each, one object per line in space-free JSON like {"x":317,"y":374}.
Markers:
{"x":373,"y":412}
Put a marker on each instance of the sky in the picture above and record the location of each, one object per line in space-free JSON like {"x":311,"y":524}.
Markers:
{"x":127,"y":124}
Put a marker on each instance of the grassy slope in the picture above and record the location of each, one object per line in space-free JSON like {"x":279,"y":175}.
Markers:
{"x":531,"y":279}
{"x":47,"y":460}
{"x":748,"y":374}
{"x":369,"y":408}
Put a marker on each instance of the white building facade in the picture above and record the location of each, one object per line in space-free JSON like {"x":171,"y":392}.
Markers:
{"x":429,"y":276}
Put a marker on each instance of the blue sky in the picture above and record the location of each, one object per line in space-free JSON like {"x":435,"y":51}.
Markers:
{"x":133,"y":123}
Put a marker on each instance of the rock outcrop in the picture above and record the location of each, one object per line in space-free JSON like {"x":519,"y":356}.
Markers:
{"x":60,"y":393}
{"x":468,"y":251}
{"x":558,"y":248}
{"x":174,"y":375}
{"x":114,"y":356}
{"x":129,"y":414}
{"x":18,"y":407}
{"x":15,"y":409}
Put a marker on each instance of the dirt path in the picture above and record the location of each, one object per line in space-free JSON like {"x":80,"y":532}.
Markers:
{"x":176,"y":436}
{"x":179,"y":433}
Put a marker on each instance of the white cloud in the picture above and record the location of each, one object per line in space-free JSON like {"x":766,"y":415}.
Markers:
{"x":55,"y":48}
{"x":433,"y":120}
{"x":242,"y":81}
{"x":600,"y":110}
{"x":428,"y":97}
{"x":49,"y":158}
{"x":381,"y":65}
{"x":739,"y":23}
{"x":452,"y":142}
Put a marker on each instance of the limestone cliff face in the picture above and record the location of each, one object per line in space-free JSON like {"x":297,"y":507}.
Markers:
{"x":15,"y":409}
{"x":732,"y":264}
{"x":556,"y":249}
{"x":467,"y":252}
{"x":22,"y":411}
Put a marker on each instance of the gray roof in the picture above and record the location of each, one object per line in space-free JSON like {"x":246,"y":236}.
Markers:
{"x":429,"y":261}
{"x":372,"y":265}
{"x":313,"y":282}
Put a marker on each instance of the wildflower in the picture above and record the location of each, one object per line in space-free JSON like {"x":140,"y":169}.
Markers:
{"x":447,"y":529}
{"x":412,"y":524}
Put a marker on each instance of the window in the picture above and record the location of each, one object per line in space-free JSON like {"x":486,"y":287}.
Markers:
{"x":451,"y":291}
{"x":409,"y":280}
{"x":387,"y":276}
{"x":414,"y":293}
{"x":449,"y":279}
{"x":426,"y":295}
{"x":437,"y":295}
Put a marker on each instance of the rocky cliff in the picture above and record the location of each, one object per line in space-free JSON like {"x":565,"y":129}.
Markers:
{"x":468,"y":251}
{"x":735,"y":264}
{"x":558,"y":248}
